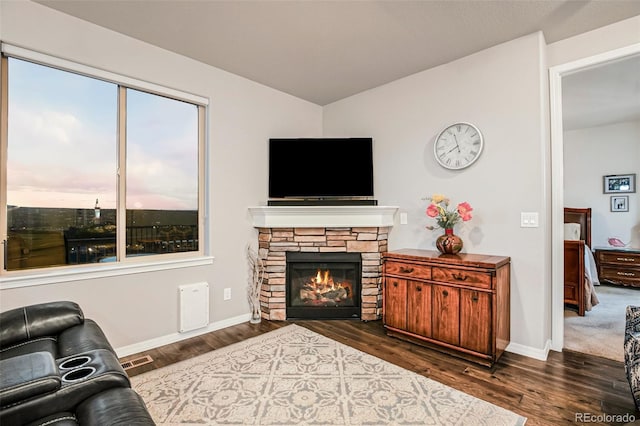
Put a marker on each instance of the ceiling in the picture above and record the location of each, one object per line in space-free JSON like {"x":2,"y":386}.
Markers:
{"x":323,"y":51}
{"x":603,"y":94}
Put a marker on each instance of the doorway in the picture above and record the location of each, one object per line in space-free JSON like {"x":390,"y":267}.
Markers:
{"x":556,"y":75}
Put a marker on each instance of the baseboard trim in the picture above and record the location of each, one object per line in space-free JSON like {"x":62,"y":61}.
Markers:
{"x":530,"y":352}
{"x":176,"y":337}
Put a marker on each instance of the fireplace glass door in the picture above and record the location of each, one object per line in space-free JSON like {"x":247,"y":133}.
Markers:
{"x":323,"y":285}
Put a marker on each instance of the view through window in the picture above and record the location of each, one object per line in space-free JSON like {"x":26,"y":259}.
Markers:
{"x":62,"y":200}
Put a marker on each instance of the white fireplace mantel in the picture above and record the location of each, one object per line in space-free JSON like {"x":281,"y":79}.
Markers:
{"x":322,"y":216}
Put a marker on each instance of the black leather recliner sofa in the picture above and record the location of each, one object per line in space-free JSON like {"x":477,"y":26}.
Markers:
{"x":58,"y":368}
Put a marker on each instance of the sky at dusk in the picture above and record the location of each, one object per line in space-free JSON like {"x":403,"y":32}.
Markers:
{"x":62,"y":149}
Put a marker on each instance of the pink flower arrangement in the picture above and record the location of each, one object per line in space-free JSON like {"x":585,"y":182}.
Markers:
{"x":446,"y":219}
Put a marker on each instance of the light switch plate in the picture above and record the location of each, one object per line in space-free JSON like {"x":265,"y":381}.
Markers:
{"x":529,"y":220}
{"x":403,"y":218}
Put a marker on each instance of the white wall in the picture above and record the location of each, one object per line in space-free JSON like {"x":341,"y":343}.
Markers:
{"x":501,"y":91}
{"x":242,"y":116}
{"x":590,"y":154}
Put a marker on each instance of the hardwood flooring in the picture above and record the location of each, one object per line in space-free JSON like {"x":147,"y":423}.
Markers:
{"x":566,"y":388}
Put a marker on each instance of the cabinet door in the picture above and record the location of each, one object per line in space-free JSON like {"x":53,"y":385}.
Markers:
{"x":395,"y":303}
{"x":419,"y":308}
{"x":475,"y":320}
{"x":445,"y":316}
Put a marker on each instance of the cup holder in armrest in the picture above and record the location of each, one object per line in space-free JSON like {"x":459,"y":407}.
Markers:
{"x":78,"y":374}
{"x":75,"y":362}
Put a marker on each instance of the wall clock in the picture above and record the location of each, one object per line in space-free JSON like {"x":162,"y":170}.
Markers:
{"x":458,"y":146}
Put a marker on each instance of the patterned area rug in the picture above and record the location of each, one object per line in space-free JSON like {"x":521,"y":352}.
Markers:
{"x":294,"y":376}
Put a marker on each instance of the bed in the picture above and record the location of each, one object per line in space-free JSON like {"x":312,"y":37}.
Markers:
{"x":580,"y":273}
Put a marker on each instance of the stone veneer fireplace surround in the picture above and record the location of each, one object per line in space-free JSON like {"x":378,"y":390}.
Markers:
{"x":355,"y":229}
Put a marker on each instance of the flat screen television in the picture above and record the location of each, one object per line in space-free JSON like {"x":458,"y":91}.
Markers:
{"x":316,"y":168}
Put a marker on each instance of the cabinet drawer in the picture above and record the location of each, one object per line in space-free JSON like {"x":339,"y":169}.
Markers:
{"x":462,"y":276}
{"x":620,"y":274}
{"x":408,"y":270}
{"x":619,"y":258}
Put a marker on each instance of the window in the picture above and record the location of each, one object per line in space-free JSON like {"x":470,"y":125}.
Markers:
{"x":162,"y":175}
{"x":96,"y":171}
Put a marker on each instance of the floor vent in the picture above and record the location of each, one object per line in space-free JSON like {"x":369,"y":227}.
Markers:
{"x":137,"y":362}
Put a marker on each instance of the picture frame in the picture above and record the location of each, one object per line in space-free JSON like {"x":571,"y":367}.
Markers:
{"x":619,"y":183}
{"x":619,"y":203}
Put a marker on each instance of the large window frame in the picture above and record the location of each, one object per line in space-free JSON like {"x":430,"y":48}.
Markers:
{"x":123,"y":264}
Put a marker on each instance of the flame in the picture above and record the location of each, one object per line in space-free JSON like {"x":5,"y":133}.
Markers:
{"x":323,"y":284}
{"x":324,"y":280}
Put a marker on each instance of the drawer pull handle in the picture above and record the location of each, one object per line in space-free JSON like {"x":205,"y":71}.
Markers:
{"x":474,"y":297}
{"x":419,"y":288}
{"x":406,"y":270}
{"x":395,"y":284}
{"x":445,"y":293}
{"x":626,"y":274}
{"x":625,"y":259}
{"x":460,"y":277}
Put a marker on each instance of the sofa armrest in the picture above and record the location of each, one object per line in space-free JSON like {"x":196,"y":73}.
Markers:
{"x":117,"y":406}
{"x":632,"y":319}
{"x":44,"y":319}
{"x":26,"y":376}
{"x":632,"y":351}
{"x":88,"y":337}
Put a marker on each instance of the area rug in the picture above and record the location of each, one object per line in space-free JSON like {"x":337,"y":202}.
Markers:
{"x":294,"y":376}
{"x":600,"y":331}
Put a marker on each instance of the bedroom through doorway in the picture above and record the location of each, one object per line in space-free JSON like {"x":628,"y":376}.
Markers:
{"x":597,"y":99}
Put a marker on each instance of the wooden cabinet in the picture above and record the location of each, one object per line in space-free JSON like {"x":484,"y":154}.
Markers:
{"x":454,"y":303}
{"x":618,"y":265}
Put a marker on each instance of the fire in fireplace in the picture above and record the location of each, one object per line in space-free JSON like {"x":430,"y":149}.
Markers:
{"x":323,"y":285}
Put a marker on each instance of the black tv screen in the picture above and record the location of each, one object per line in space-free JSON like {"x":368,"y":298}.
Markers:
{"x":320,"y":167}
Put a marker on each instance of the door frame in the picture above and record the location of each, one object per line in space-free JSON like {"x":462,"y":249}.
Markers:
{"x":557,"y":179}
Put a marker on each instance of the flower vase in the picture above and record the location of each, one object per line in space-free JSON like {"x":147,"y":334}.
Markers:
{"x":449,"y":243}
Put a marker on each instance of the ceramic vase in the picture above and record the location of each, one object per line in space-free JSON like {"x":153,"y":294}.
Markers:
{"x":448,"y":243}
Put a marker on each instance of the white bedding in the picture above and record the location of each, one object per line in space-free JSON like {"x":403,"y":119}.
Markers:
{"x":590,"y":267}
{"x":591,"y":279}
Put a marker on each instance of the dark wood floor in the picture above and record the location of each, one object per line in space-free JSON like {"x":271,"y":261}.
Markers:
{"x":551,"y":392}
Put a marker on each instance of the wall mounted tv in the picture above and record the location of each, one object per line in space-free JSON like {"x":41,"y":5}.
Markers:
{"x":318,"y":168}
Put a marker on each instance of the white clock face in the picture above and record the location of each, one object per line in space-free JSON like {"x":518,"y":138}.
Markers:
{"x":458,"y":146}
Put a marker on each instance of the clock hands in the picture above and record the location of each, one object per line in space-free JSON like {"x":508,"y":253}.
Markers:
{"x":457,"y":145}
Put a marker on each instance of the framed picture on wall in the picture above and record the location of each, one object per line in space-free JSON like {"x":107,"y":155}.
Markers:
{"x":619,"y":183}
{"x":619,"y":203}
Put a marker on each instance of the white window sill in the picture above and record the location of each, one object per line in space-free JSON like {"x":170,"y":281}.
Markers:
{"x":90,"y":271}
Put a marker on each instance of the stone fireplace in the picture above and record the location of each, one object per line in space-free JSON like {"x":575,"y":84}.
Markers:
{"x":360,"y":230}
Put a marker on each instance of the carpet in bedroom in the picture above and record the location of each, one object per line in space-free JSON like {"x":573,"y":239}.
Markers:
{"x":295,"y":376}
{"x":601,"y":331}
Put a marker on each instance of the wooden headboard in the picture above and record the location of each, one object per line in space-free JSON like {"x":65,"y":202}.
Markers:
{"x":583,"y":217}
